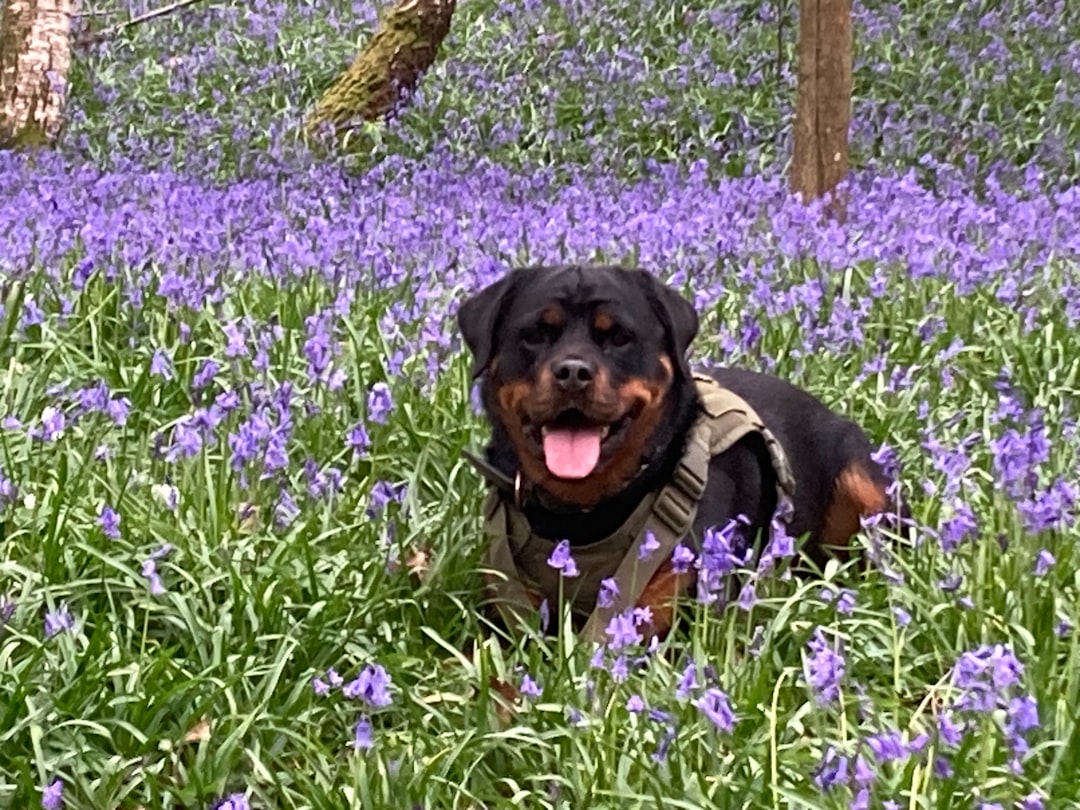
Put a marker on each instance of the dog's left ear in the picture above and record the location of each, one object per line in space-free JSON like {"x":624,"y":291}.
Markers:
{"x":678,"y":316}
{"x":478,"y":318}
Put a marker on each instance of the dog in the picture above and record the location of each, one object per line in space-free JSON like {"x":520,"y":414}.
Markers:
{"x":585,"y":381}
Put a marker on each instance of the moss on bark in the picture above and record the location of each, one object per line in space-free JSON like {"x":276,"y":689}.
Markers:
{"x":404,"y":45}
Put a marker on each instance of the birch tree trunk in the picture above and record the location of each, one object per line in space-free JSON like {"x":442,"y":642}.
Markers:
{"x":35,"y":54}
{"x":388,"y":67}
{"x":823,"y":106}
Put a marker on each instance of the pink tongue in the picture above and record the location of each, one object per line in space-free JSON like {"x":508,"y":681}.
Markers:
{"x":571,"y":452}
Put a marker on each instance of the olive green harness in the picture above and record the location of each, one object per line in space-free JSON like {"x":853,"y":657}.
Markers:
{"x":518,"y":558}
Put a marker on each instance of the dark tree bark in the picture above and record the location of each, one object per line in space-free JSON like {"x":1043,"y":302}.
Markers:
{"x":823,"y":106}
{"x":35,"y":54}
{"x":387,"y":69}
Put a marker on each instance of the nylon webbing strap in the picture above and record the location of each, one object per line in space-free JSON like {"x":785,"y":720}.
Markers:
{"x":509,"y":594}
{"x":671,"y":517}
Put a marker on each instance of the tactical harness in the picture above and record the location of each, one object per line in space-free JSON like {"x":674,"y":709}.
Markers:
{"x":519,"y":558}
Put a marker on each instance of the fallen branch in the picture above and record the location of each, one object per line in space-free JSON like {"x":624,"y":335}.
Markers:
{"x":97,"y":36}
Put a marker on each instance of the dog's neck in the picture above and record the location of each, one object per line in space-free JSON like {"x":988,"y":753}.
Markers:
{"x":580,"y":525}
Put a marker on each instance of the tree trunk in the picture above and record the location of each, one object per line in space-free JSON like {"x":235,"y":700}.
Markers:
{"x":823,"y":106}
{"x":403,"y":46}
{"x":35,"y":55}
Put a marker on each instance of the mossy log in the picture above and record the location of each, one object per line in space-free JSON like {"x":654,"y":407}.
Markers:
{"x":386,"y":70}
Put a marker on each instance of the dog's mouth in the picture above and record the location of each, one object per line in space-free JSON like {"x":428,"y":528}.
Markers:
{"x":573,"y":444}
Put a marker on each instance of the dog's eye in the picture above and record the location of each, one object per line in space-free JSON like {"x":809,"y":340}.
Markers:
{"x":616,"y":336}
{"x":539,"y":335}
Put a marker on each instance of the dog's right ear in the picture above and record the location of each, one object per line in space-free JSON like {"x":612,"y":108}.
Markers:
{"x":478,"y":318}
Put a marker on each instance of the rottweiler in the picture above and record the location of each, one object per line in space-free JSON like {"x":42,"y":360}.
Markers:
{"x":590,"y":396}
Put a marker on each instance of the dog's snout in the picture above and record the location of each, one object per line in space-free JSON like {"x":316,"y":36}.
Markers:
{"x":573,"y":374}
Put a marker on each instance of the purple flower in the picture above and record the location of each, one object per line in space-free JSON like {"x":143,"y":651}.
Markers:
{"x":649,"y":544}
{"x":205,"y":374}
{"x":984,"y":674}
{"x":236,"y":801}
{"x":887,"y":747}
{"x":825,"y":668}
{"x":715,"y":706}
{"x":832,"y":771}
{"x":161,"y":365}
{"x":52,"y":797}
{"x":358,"y":440}
{"x":622,"y":631}
{"x":609,"y":591}
{"x":1022,"y":716}
{"x":8,"y":491}
{"x":722,"y":552}
{"x":384,"y":493}
{"x":59,"y":620}
{"x":110,"y":523}
{"x":687,"y":682}
{"x":903,"y":618}
{"x":379,"y":403}
{"x":620,"y":669}
{"x":951,"y":583}
{"x":1044,"y":562}
{"x":635,"y":705}
{"x":363,"y":734}
{"x":561,"y":560}
{"x":372,"y":685}
{"x":1051,"y":509}
{"x":319,"y":686}
{"x":149,"y":569}
{"x":960,"y":527}
{"x":681,"y":559}
{"x":863,"y":774}
{"x":530,"y":687}
{"x":949,"y":732}
{"x":662,"y":747}
{"x":1033,"y":801}
{"x":52,"y":425}
{"x":861,"y":800}
{"x":747,"y":596}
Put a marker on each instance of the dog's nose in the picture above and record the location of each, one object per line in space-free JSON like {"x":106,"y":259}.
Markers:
{"x":573,"y":374}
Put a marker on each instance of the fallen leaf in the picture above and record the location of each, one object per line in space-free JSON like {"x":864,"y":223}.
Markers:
{"x":200,"y":732}
{"x":419,"y":564}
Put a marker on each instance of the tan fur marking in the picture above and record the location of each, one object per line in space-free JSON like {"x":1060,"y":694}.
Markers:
{"x":661,"y":596}
{"x":855,"y":495}
{"x":552,"y":316}
{"x":602,"y":322}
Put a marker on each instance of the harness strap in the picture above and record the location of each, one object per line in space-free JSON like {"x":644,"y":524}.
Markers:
{"x":507,"y":590}
{"x":670,"y":519}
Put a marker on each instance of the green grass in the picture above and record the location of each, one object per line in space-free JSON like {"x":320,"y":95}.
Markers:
{"x":252,"y":613}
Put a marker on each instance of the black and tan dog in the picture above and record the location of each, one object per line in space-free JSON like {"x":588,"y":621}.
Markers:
{"x":592,"y":405}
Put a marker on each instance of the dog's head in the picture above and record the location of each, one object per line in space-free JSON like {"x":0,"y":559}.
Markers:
{"x":578,"y":364}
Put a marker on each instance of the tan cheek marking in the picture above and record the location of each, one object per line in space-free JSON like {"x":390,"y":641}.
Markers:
{"x":552,"y":316}
{"x":603,"y":322}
